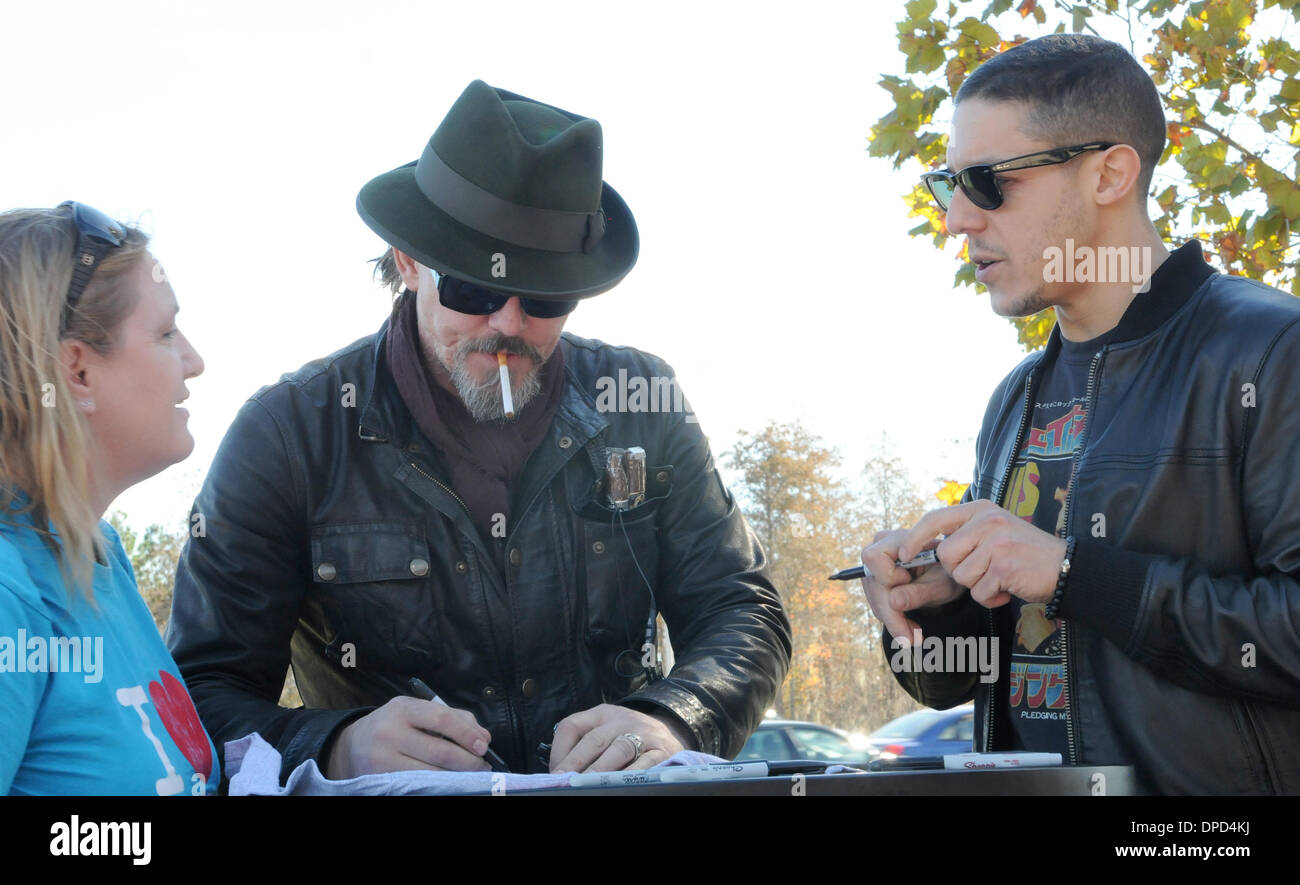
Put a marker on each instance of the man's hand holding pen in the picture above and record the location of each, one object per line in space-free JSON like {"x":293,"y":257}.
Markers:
{"x":891,"y":591}
{"x":986,"y":548}
{"x":409,"y":733}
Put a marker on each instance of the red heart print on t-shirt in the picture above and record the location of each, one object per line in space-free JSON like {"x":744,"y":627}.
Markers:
{"x":182,"y":721}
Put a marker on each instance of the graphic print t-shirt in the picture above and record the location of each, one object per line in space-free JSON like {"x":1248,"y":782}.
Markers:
{"x":1037,"y":492}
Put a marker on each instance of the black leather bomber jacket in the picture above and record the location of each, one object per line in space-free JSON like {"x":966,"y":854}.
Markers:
{"x":329,"y":529}
{"x":1182,"y":606}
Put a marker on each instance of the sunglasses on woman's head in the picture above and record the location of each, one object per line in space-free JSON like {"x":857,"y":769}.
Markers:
{"x":96,"y":234}
{"x":980,"y":184}
{"x":464,"y":297}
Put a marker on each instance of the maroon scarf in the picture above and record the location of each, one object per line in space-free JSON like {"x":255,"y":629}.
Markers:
{"x":483,"y":458}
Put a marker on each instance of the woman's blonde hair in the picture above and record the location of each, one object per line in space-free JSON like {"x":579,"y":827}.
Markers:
{"x":44,"y":439}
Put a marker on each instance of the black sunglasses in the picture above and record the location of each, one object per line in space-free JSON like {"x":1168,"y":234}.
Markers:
{"x":980,"y":183}
{"x":96,"y":234}
{"x":464,"y":297}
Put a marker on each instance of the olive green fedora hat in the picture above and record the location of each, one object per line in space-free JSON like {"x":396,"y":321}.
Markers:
{"x":508,"y":194}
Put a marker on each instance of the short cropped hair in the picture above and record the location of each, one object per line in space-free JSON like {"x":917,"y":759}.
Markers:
{"x":1079,"y":88}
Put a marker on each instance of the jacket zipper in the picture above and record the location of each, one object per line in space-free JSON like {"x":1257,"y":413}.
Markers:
{"x":1065,"y":634}
{"x":510,"y":707}
{"x":997,"y":500}
{"x":443,"y":486}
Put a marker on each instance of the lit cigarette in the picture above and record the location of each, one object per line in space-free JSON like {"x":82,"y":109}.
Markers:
{"x":506,"y":399}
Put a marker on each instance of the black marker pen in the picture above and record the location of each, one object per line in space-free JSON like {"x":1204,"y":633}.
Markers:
{"x":418,"y":689}
{"x":925,"y":557}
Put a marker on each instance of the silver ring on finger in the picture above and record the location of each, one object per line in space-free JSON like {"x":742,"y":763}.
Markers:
{"x":638,"y":745}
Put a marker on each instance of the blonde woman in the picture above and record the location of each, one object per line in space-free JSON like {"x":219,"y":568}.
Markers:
{"x":92,"y":374}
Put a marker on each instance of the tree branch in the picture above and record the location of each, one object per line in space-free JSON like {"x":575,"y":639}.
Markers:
{"x":1200,"y":123}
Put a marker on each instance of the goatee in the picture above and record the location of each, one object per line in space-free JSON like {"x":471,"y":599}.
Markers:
{"x":483,"y":399}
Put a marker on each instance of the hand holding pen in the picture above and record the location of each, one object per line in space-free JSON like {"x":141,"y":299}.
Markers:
{"x":892,"y":590}
{"x":417,"y":688}
{"x":408,"y":734}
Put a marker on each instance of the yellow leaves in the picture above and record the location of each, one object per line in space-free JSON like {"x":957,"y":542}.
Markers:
{"x":952,"y":492}
{"x":1032,"y":331}
{"x":921,"y":205}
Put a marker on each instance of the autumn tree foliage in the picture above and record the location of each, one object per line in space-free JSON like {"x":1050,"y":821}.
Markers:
{"x":154,"y":554}
{"x":810,"y":523}
{"x":1230,"y":82}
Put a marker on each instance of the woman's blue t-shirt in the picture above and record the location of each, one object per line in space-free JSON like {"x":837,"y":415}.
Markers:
{"x":92,"y":702}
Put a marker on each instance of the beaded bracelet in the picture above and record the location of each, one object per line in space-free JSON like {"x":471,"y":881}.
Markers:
{"x":1055,"y":605}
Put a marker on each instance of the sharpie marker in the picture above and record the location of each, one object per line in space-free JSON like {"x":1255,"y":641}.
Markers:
{"x":672,"y":774}
{"x":686,"y":773}
{"x":966,"y":762}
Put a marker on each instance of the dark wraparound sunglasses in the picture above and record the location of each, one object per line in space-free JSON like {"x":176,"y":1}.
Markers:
{"x":96,"y":234}
{"x":980,"y":183}
{"x":464,"y":297}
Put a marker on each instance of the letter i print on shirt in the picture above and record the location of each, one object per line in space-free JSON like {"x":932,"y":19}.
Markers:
{"x":134,"y":696}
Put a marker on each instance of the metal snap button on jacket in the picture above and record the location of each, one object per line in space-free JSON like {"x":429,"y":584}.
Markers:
{"x":565,"y":442}
{"x":326,"y":571}
{"x":462,"y":566}
{"x":529,"y":688}
{"x":419,"y":567}
{"x":598,"y":547}
{"x":514,"y":556}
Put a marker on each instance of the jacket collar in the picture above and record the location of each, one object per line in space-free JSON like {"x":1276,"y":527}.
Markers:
{"x":577,"y":405}
{"x":1172,"y":286}
{"x":377,"y":418}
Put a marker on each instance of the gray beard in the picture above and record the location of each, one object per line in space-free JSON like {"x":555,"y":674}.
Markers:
{"x":483,"y":401}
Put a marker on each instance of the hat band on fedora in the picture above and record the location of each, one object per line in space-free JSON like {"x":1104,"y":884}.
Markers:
{"x":552,"y":230}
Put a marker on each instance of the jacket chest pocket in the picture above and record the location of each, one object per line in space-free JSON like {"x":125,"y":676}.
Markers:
{"x":621,"y":571}
{"x":373,"y":582}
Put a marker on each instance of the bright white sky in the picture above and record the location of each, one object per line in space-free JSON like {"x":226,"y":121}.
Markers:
{"x":775,"y":272}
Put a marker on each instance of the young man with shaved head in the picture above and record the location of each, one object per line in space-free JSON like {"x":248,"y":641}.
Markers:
{"x":1131,"y":538}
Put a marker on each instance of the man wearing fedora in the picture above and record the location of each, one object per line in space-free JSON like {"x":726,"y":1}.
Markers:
{"x":399,"y":509}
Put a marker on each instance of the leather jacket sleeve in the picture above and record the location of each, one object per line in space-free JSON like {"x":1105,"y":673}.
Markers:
{"x":239,"y":583}
{"x":728,"y":628}
{"x":1221,"y":634}
{"x":941,"y":690}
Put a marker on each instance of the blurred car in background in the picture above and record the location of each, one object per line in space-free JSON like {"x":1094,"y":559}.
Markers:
{"x":925,"y":733}
{"x":789,"y":739}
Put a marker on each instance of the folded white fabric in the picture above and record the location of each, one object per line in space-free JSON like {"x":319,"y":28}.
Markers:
{"x":254,"y":769}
